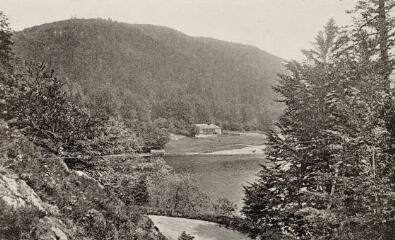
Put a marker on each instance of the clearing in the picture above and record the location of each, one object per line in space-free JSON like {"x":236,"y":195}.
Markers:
{"x":228,"y":141}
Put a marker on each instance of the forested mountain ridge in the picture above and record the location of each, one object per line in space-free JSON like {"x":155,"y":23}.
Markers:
{"x":146,"y":72}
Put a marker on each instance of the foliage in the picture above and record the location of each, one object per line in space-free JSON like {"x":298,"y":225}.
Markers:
{"x":375,"y":32}
{"x":5,"y":41}
{"x":17,"y":224}
{"x":193,"y":131}
{"x":224,"y":207}
{"x":185,"y":236}
{"x":47,"y":122}
{"x":95,"y":210}
{"x":376,"y":29}
{"x":178,"y":195}
{"x":331,"y":176}
{"x":126,"y":176}
{"x":154,"y":135}
{"x":38,"y":106}
{"x":143,"y":73}
{"x":115,"y":138}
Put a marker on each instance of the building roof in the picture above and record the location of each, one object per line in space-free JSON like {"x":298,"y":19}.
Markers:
{"x":207,"y":126}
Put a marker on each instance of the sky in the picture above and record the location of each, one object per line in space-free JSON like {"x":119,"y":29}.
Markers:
{"x":281,"y":27}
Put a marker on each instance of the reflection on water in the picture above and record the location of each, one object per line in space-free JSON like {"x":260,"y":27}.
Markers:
{"x":219,"y":176}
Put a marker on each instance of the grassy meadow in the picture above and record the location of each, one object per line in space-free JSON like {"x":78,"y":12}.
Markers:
{"x":230,"y":140}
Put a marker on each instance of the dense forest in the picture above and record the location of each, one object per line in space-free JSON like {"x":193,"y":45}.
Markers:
{"x":143,"y":73}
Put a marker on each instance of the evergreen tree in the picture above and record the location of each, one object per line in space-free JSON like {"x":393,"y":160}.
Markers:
{"x":5,"y":60}
{"x":5,"y":41}
{"x":376,"y":24}
{"x":331,"y":177}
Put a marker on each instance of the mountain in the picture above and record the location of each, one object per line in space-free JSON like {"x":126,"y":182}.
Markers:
{"x":147,"y":72}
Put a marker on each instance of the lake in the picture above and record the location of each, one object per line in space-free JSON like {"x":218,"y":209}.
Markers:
{"x":201,"y":230}
{"x":219,"y":175}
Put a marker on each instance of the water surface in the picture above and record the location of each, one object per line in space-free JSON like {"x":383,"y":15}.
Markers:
{"x":219,"y":176}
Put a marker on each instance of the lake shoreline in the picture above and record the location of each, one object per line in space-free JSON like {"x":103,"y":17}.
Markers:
{"x":172,"y":227}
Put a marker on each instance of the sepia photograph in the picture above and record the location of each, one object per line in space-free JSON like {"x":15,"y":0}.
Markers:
{"x":197,"y":120}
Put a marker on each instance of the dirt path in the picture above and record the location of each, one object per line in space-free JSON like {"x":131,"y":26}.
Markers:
{"x":202,"y":230}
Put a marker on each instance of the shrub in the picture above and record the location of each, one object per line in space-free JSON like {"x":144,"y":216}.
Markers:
{"x":17,"y":223}
{"x":185,"y":236}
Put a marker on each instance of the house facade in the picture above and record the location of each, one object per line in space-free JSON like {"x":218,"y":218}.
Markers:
{"x":207,"y":130}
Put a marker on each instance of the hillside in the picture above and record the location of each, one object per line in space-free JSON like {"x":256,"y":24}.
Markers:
{"x":149,"y":72}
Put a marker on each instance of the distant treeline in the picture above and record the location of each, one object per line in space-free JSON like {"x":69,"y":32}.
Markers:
{"x":142,"y":73}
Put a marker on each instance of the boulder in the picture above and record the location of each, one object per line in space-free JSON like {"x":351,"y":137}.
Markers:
{"x":16,"y":193}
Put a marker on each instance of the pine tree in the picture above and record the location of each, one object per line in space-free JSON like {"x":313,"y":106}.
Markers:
{"x":375,"y":22}
{"x":300,"y":144}
{"x":5,"y":60}
{"x":5,"y":41}
{"x":330,"y":176}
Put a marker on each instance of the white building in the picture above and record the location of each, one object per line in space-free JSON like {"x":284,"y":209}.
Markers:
{"x":206,"y":130}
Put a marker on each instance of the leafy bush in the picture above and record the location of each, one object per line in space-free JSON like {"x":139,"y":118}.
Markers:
{"x":224,"y":207}
{"x":18,"y":224}
{"x":185,"y":236}
{"x":177,"y":195}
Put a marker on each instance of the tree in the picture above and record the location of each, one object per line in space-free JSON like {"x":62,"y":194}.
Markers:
{"x":5,"y":53}
{"x":5,"y":41}
{"x":104,"y":102}
{"x":224,"y":207}
{"x":5,"y":60}
{"x":185,"y":236}
{"x":329,"y":176}
{"x":376,"y":24}
{"x":375,"y":32}
{"x":38,"y":105}
{"x":154,"y":135}
{"x":115,"y":138}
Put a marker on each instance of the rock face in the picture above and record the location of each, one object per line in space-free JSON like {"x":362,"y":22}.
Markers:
{"x":16,"y":193}
{"x":17,"y":196}
{"x":45,"y":200}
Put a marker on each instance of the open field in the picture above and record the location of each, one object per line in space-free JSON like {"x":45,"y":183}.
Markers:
{"x":219,"y":176}
{"x":213,"y":144}
{"x":172,"y":227}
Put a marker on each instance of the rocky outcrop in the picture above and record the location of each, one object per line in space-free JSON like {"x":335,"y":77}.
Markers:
{"x":16,"y":193}
{"x":64,"y":197}
{"x":17,"y":198}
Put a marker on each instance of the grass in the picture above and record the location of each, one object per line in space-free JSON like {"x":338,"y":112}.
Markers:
{"x":213,"y":144}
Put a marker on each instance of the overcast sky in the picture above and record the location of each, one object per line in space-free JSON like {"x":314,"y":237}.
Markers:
{"x":281,"y":27}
